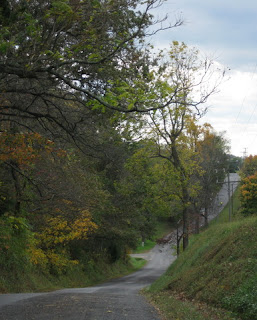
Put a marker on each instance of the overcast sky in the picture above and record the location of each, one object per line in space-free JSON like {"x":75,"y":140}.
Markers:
{"x":226,"y":30}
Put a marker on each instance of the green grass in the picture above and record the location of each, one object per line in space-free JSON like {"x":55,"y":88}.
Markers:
{"x":218,"y":270}
{"x":162,"y":229}
{"x":148,"y":245}
{"x":235,"y":215}
{"x":35,"y":281}
{"x":137,"y":263}
{"x":177,"y":307}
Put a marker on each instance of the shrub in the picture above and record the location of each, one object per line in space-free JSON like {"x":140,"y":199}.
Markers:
{"x":248,"y":195}
{"x":15,"y":239}
{"x":243,"y":301}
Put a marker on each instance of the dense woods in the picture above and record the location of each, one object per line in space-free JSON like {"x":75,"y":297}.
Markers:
{"x":98,"y":135}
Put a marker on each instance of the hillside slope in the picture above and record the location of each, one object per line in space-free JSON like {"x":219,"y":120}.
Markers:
{"x":218,"y":269}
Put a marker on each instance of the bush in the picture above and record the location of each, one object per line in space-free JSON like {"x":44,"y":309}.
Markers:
{"x":244,"y":300}
{"x":15,"y":239}
{"x":248,"y":195}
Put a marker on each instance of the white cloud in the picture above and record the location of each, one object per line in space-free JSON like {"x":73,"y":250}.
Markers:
{"x":234,"y":110}
{"x":225,"y":30}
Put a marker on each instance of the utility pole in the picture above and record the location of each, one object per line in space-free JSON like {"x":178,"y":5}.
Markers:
{"x":229,"y":202}
{"x":230,"y":184}
{"x":232,"y":199}
{"x":244,"y":153}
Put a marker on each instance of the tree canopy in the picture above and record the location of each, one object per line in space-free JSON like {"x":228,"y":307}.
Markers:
{"x":98,"y":133}
{"x":58,"y":58}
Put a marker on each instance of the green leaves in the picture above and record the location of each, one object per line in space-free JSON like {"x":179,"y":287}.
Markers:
{"x":61,"y":10}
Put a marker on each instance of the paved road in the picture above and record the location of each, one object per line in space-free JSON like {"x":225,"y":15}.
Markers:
{"x":223,"y":196}
{"x":115,"y":300}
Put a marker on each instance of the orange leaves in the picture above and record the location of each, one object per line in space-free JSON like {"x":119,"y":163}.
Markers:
{"x":248,"y":195}
{"x":22,"y":148}
{"x":25,"y":148}
{"x":249,"y":167}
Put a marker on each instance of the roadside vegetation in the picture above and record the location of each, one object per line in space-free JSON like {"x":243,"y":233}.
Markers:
{"x":99,"y":138}
{"x":30,"y":279}
{"x":163,"y":228}
{"x":216,"y":277}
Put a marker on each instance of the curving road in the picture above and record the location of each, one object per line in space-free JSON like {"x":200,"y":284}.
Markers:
{"x":115,"y":300}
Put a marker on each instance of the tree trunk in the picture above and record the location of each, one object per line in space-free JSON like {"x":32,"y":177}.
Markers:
{"x":185,"y":196}
{"x":185,"y":228}
{"x":178,"y":241}
{"x":206,"y":217}
{"x":197,"y":223}
{"x":185,"y":214}
{"x":17,"y":205}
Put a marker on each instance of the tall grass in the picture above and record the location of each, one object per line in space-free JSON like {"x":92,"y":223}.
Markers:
{"x":234,"y":210}
{"x":33,"y":280}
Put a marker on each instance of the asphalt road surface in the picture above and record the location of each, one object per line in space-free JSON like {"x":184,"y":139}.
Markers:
{"x":115,"y":300}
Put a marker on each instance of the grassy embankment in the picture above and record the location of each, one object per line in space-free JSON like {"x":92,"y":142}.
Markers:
{"x":216,"y":277}
{"x":32,"y":280}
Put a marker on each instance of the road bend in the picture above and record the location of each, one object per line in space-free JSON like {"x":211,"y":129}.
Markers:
{"x":118,"y":299}
{"x":114,"y":300}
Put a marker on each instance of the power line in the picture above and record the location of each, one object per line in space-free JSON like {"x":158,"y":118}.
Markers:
{"x":242,"y":104}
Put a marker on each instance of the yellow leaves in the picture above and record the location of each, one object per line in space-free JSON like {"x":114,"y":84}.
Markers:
{"x":58,"y":232}
{"x":60,"y":261}
{"x":37,"y":256}
{"x":82,"y":226}
{"x":62,"y":230}
{"x":50,"y":258}
{"x":248,"y":194}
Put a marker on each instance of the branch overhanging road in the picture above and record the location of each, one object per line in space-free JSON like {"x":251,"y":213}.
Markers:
{"x":118,"y":299}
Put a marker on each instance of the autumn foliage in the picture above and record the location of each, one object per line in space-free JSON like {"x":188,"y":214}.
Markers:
{"x":38,"y":220}
{"x":248,"y":195}
{"x":249,"y":167}
{"x":76,"y":93}
{"x":248,"y":190}
{"x":23,"y":148}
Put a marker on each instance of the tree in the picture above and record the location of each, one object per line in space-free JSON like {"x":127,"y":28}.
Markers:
{"x":249,"y":167}
{"x":58,"y":58}
{"x":18,"y":154}
{"x":80,"y":74}
{"x":212,"y":152}
{"x":140,"y":188}
{"x":168,"y":125}
{"x":235,"y":163}
{"x":49,"y":192}
{"x":248,"y":190}
{"x":248,"y":195}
